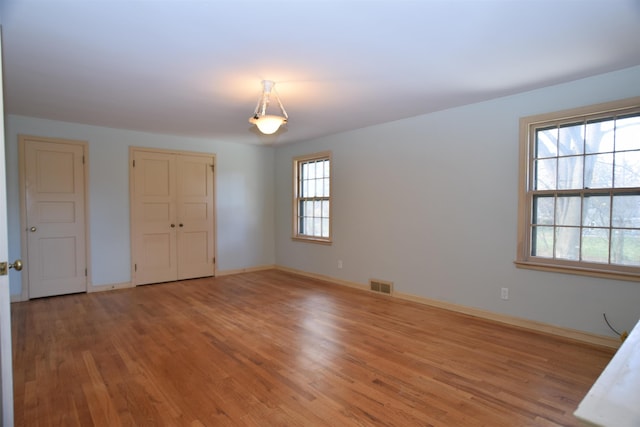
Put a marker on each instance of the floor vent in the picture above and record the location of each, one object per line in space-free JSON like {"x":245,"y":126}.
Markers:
{"x":381,"y":286}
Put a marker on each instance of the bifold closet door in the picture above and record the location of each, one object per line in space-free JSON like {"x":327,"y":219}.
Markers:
{"x":173,"y":216}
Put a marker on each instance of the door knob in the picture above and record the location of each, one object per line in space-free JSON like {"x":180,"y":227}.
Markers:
{"x":181,"y":225}
{"x":173,"y":225}
{"x":3,"y":267}
{"x":32,"y":229}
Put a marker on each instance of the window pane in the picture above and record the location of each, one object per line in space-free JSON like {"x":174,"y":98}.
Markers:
{"x":596,"y":211}
{"x":543,"y":210}
{"x":319,"y":190}
{"x":570,"y":173}
{"x":598,"y":171}
{"x":568,"y":243}
{"x":311,"y":170}
{"x":317,"y":226}
{"x":568,"y":211}
{"x":326,"y":168}
{"x":325,"y":209}
{"x":545,"y":174}
{"x":308,"y":226}
{"x":320,"y":169}
{"x":625,"y":247}
{"x":599,"y":136}
{"x":326,"y":188}
{"x":628,"y":133}
{"x":308,"y":208}
{"x":305,"y":189}
{"x":325,"y":227}
{"x":595,"y":245}
{"x":542,"y":242}
{"x":571,"y":139}
{"x":627,"y":169}
{"x":547,"y":142}
{"x":304,"y":171}
{"x":626,"y":211}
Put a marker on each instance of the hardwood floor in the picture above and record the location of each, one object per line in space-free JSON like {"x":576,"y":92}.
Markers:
{"x":271,"y":348}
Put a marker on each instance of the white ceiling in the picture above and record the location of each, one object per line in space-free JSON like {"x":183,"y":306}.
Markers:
{"x":194,"y":67}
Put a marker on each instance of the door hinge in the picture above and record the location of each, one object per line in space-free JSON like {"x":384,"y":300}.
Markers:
{"x":212,"y":166}
{"x":83,"y":159}
{"x":135,"y":267}
{"x":214,"y":260}
{"x":134,"y":163}
{"x":85,"y":272}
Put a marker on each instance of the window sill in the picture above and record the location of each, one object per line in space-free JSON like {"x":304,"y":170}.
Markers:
{"x":312,"y":240}
{"x":582,"y":271}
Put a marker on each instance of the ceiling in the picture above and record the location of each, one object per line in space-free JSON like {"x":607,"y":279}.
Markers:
{"x":194,"y":67}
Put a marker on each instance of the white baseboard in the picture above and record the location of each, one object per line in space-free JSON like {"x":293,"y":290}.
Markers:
{"x":323,"y":277}
{"x":245,"y":270}
{"x":497,"y":317}
{"x":516,"y":321}
{"x":109,"y":287}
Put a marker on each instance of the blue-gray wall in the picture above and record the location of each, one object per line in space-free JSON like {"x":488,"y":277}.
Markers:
{"x":430,"y":203}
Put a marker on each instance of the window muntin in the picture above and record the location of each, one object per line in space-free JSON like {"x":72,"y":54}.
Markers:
{"x":580,"y":196}
{"x":312,"y":197}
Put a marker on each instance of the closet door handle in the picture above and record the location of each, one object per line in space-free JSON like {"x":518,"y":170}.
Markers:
{"x":173,"y":226}
{"x":181,"y":225}
{"x":17,"y":265}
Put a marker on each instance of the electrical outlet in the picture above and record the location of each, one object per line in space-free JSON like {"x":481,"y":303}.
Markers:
{"x":339,"y":263}
{"x":504,"y":293}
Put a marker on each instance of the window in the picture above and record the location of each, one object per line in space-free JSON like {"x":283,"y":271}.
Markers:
{"x":312,"y":198}
{"x":579,"y":207}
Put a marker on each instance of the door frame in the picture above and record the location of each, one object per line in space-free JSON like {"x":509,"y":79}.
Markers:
{"x":132,"y":230}
{"x":24,"y":296}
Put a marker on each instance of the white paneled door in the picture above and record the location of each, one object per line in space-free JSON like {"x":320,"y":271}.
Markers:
{"x":6,"y":373}
{"x":54,"y":182}
{"x":172,"y":216}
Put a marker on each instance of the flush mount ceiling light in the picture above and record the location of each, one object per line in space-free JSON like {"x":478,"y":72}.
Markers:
{"x":268,"y":123}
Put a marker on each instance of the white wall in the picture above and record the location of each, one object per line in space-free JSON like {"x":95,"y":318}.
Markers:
{"x":430,"y":203}
{"x":244,"y":195}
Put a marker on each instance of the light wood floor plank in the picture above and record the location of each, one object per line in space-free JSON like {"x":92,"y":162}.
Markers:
{"x":272,"y":348}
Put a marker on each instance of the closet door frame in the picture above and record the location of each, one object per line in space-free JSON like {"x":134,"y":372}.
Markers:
{"x":132,"y":201}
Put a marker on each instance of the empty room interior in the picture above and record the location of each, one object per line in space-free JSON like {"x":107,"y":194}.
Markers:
{"x":320,"y":213}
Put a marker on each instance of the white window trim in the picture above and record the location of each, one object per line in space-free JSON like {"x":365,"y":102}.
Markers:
{"x":295,"y":234}
{"x":524,"y":259}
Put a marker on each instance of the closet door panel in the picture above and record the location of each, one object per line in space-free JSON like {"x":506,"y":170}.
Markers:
{"x":154,"y":217}
{"x":195,"y":216}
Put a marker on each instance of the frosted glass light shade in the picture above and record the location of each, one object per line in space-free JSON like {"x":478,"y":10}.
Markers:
{"x":268,"y":124}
